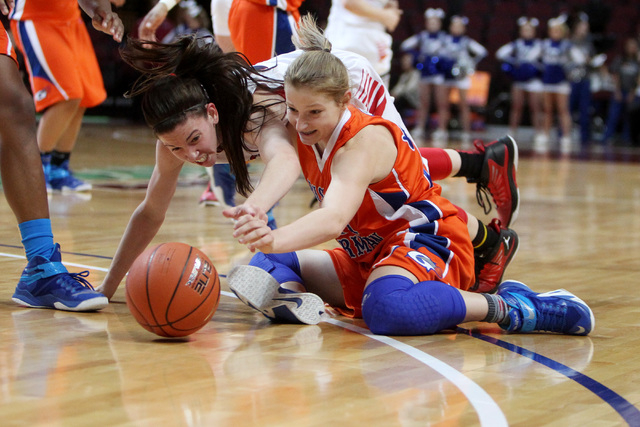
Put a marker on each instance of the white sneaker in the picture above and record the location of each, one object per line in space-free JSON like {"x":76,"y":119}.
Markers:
{"x":260,"y":291}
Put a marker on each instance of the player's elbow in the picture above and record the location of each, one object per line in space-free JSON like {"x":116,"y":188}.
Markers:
{"x":146,"y":214}
{"x":334,"y":226}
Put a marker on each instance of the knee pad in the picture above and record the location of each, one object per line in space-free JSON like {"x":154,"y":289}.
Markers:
{"x":394,"y":305}
{"x":283,"y":267}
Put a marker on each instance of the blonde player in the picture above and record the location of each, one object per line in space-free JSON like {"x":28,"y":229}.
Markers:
{"x":405,"y":258}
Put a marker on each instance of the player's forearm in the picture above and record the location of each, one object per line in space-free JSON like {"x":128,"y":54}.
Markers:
{"x":362,"y":8}
{"x":278,"y":177}
{"x":91,"y":7}
{"x":137,"y":236}
{"x":313,"y":229}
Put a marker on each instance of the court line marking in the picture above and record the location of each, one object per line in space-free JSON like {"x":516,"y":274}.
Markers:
{"x":487,"y":409}
{"x":623,"y":407}
{"x":73,"y":264}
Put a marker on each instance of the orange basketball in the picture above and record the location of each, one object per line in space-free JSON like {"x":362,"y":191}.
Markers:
{"x":173,"y":289}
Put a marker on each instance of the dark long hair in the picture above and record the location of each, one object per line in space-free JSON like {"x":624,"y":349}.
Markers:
{"x":178,"y":80}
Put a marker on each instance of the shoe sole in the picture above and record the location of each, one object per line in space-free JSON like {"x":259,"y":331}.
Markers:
{"x":516,"y":211}
{"x":305,"y":307}
{"x":559,"y":293}
{"x":92,"y":304}
{"x":254,"y":286}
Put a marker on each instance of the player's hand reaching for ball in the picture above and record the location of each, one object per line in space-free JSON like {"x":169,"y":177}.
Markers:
{"x":245,"y":209}
{"x":254,"y":233}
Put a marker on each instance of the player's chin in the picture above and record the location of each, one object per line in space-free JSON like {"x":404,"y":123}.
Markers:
{"x":308,"y":138}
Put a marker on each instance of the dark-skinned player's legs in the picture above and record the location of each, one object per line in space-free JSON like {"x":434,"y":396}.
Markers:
{"x":45,"y":282}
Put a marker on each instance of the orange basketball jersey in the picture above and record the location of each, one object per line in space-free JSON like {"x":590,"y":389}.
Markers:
{"x":403,"y":220}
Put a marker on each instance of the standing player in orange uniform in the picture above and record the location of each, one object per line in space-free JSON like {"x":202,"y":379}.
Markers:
{"x":65,"y":80}
{"x":405,"y":260}
{"x":45,"y":282}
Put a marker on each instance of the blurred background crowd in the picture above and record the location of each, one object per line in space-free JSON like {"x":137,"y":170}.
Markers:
{"x":611,"y":114}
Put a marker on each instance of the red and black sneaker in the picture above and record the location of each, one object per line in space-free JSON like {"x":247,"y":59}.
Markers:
{"x":490,"y":267}
{"x":498,"y":176}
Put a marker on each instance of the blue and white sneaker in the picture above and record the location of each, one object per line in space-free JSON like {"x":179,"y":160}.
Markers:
{"x":62,"y":179}
{"x":556,"y":311}
{"x":260,"y":291}
{"x":46,"y":283}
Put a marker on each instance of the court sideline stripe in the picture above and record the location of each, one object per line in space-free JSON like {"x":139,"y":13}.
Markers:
{"x":622,"y":406}
{"x":487,"y":409}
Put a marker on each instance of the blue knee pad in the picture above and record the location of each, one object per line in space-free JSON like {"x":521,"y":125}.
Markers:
{"x":283,"y":267}
{"x":394,"y":305}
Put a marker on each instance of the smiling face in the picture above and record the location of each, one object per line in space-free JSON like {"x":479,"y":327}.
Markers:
{"x":313,"y":114}
{"x":195,"y":139}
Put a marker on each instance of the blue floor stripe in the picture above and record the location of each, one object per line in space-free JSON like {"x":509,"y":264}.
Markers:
{"x":629,"y":412}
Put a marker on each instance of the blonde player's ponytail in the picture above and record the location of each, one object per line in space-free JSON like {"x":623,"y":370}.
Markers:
{"x":309,"y":37}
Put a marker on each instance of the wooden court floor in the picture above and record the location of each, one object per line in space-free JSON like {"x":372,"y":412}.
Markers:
{"x":579,"y":229}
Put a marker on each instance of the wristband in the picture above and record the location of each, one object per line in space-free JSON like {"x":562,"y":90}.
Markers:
{"x":169,"y":3}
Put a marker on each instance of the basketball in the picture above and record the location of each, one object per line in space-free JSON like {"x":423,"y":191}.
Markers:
{"x":172,"y":289}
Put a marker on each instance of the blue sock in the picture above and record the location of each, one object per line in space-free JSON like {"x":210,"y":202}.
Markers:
{"x":394,"y":305}
{"x":37,"y":237}
{"x":283,"y":267}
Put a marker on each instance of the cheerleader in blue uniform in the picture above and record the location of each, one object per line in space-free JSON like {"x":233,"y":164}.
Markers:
{"x":425,"y":47}
{"x":557,"y":56}
{"x":458,"y":59}
{"x":521,"y":61}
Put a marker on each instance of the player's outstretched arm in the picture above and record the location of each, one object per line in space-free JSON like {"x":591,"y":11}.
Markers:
{"x":282,"y":168}
{"x":146,"y":219}
{"x":367,"y":158}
